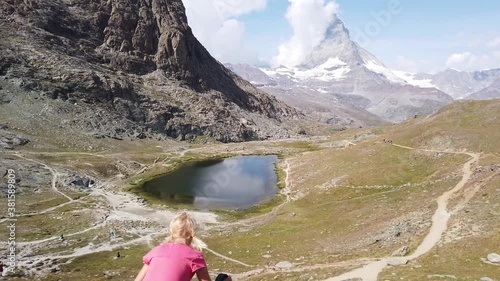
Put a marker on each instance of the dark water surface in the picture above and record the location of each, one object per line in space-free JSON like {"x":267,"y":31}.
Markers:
{"x":237,"y":182}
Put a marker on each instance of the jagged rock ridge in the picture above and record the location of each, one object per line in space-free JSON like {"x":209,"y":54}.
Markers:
{"x":134,"y":63}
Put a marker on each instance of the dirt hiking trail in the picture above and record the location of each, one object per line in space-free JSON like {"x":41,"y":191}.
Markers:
{"x":440,"y":219}
{"x":369,"y":271}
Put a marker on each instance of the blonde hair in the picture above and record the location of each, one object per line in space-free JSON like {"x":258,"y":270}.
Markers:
{"x":182,"y":229}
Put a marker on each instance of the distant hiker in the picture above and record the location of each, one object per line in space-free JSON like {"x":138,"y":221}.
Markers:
{"x":112,"y":234}
{"x":179,"y":258}
{"x":118,"y":255}
{"x":1,"y":268}
{"x":62,"y":237}
{"x":223,"y":277}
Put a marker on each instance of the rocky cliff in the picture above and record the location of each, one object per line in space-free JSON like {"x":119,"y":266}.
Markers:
{"x":123,"y":68}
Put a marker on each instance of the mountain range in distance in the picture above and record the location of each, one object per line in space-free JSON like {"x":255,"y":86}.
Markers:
{"x":343,"y":84}
{"x":99,"y":72}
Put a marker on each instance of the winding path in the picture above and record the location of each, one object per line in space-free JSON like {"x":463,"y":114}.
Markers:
{"x":227,"y":258}
{"x":440,"y":219}
{"x":52,"y":171}
{"x":36,"y":242}
{"x":370,"y":270}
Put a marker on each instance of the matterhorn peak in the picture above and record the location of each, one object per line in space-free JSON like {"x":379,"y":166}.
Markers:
{"x":337,"y":29}
{"x":338,"y":44}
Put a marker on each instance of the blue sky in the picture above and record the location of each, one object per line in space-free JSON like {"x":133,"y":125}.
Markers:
{"x":424,"y":35}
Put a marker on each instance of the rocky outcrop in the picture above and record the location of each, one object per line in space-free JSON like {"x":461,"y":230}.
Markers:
{"x":81,"y":183}
{"x":10,"y":140}
{"x":136,"y":60}
{"x":490,"y":92}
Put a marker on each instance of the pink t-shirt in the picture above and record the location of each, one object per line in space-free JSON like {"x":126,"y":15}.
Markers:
{"x":173,"y":262}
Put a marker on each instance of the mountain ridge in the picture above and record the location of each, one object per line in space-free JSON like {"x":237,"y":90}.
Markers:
{"x":135,"y":62}
{"x":458,"y":84}
{"x":339,"y":66}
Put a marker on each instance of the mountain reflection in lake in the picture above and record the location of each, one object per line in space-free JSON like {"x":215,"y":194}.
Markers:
{"x":232,"y":183}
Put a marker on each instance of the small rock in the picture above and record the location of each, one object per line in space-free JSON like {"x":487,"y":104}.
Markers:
{"x":403,"y":251}
{"x":397,"y":261}
{"x":486,"y":279}
{"x":442,"y":276}
{"x":494,"y":258}
{"x":266,"y":256}
{"x":284,"y":265}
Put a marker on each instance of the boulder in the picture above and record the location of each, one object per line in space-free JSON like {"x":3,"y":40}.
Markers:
{"x":397,"y":261}
{"x":10,"y":141}
{"x":403,"y":251}
{"x":494,"y":258}
{"x":80,"y":182}
{"x":442,"y":276}
{"x":284,"y":265}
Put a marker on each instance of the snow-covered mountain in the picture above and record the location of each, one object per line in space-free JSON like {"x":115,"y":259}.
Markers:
{"x":456,"y":83}
{"x":490,"y":92}
{"x":341,"y":71}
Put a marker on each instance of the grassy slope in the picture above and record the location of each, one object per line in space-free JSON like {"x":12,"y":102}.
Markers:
{"x":338,"y":218}
{"x":324,"y":220}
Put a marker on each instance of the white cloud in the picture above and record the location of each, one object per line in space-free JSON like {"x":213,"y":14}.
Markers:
{"x":309,"y":20}
{"x":406,"y":64}
{"x":469,"y":61}
{"x":460,"y":58}
{"x":495,"y":43}
{"x":214,"y":23}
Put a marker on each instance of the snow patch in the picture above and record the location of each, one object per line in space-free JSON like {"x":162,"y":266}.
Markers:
{"x":399,"y":77}
{"x":410,"y":79}
{"x":380,"y":69}
{"x":332,"y":70}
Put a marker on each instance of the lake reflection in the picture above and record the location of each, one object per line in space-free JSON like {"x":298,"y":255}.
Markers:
{"x":237,"y":182}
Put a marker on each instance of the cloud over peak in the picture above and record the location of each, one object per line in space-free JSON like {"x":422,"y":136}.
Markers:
{"x":309,"y":20}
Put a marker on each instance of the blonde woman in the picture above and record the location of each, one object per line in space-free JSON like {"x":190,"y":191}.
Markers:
{"x":179,"y":258}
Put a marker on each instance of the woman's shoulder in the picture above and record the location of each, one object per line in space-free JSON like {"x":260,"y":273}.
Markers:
{"x":177,"y":248}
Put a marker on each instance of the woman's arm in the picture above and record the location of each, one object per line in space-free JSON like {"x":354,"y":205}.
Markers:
{"x":142,"y":273}
{"x":202,"y":274}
